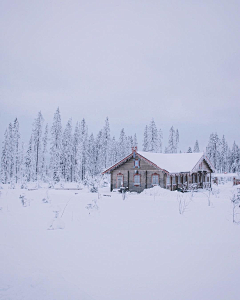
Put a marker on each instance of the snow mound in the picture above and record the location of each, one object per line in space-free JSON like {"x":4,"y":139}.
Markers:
{"x":156,"y":191}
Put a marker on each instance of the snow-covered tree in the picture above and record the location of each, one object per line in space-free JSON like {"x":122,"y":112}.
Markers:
{"x":145,"y":139}
{"x":56,"y":147}
{"x":15,"y":148}
{"x":83,"y":148}
{"x":37,"y":143}
{"x":30,"y":163}
{"x":196,"y":147}
{"x":67,"y":152}
{"x":152,"y":137}
{"x":160,"y":137}
{"x":235,"y":158}
{"x":176,"y":141}
{"x":135,"y":142}
{"x":223,"y":156}
{"x":213,"y":150}
{"x":91,"y":157}
{"x":5,"y":163}
{"x":43,"y":164}
{"x":172,"y":141}
{"x":189,"y":150}
{"x":124,"y":148}
{"x":106,"y":143}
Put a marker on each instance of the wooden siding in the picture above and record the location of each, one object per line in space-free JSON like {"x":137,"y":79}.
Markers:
{"x":145,"y":171}
{"x":203,"y":167}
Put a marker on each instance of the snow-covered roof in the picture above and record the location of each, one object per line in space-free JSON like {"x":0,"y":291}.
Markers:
{"x":173,"y":163}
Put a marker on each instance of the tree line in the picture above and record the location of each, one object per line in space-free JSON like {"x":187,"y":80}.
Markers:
{"x":73,"y":155}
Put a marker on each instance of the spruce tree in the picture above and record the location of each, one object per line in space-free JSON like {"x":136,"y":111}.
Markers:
{"x":37,"y":143}
{"x":196,"y":147}
{"x":159,"y":142}
{"x":83,"y":148}
{"x":152,"y":137}
{"x":43,"y":171}
{"x":67,"y":152}
{"x":56,"y":147}
{"x":145,"y":139}
{"x":135,"y":142}
{"x":4,"y":159}
{"x":172,"y":141}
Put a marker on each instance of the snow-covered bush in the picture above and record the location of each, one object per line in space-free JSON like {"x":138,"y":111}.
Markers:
{"x":92,"y":206}
{"x":24,"y":200}
{"x":183,"y":202}
{"x":46,"y":199}
{"x":57,"y":222}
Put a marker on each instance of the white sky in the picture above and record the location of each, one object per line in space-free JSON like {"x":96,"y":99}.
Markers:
{"x":175,"y":61}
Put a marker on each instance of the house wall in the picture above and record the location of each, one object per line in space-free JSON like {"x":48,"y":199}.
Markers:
{"x":145,"y":171}
{"x":202,"y":167}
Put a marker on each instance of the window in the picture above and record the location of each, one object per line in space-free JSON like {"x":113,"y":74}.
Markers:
{"x":168,"y":179}
{"x":173,"y":180}
{"x":136,"y":179}
{"x":136,"y":163}
{"x":155,"y":179}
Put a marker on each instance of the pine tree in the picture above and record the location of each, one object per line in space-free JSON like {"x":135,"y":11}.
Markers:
{"x":10,"y":154}
{"x":123,"y":145}
{"x":213,"y":150}
{"x":160,"y":137}
{"x":83,"y":148}
{"x":152,"y":137}
{"x":145,"y":139}
{"x":172,"y":141}
{"x":43,"y":171}
{"x":100,"y":160}
{"x":76,"y":153}
{"x":196,"y":147}
{"x":4,"y":159}
{"x":113,"y":151}
{"x":189,"y":150}
{"x":135,"y":142}
{"x":223,"y":155}
{"x":16,"y":138}
{"x":235,"y":158}
{"x":30,"y":163}
{"x":176,"y":141}
{"x":106,"y":143}
{"x":37,"y":142}
{"x":67,"y":152}
{"x":91,"y":157}
{"x":56,"y":147}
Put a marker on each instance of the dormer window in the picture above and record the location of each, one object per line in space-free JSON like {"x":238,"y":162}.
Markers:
{"x":136,"y":163}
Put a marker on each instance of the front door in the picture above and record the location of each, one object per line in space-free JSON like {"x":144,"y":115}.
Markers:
{"x":119,"y":181}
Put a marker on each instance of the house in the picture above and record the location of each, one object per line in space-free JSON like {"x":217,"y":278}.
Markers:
{"x":141,"y":170}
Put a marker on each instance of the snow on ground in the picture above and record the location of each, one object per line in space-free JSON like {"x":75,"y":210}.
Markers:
{"x":139,"y":248}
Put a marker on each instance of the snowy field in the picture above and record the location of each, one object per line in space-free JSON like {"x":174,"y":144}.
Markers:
{"x":140,"y":248}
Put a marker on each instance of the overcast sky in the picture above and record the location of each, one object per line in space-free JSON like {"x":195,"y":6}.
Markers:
{"x":174,"y":61}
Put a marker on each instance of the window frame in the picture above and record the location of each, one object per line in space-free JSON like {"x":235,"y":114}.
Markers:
{"x":153,"y":176}
{"x":137,"y":183}
{"x":138,"y":163}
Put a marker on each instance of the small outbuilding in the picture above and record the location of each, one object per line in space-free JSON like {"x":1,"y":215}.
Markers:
{"x":142,"y":170}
